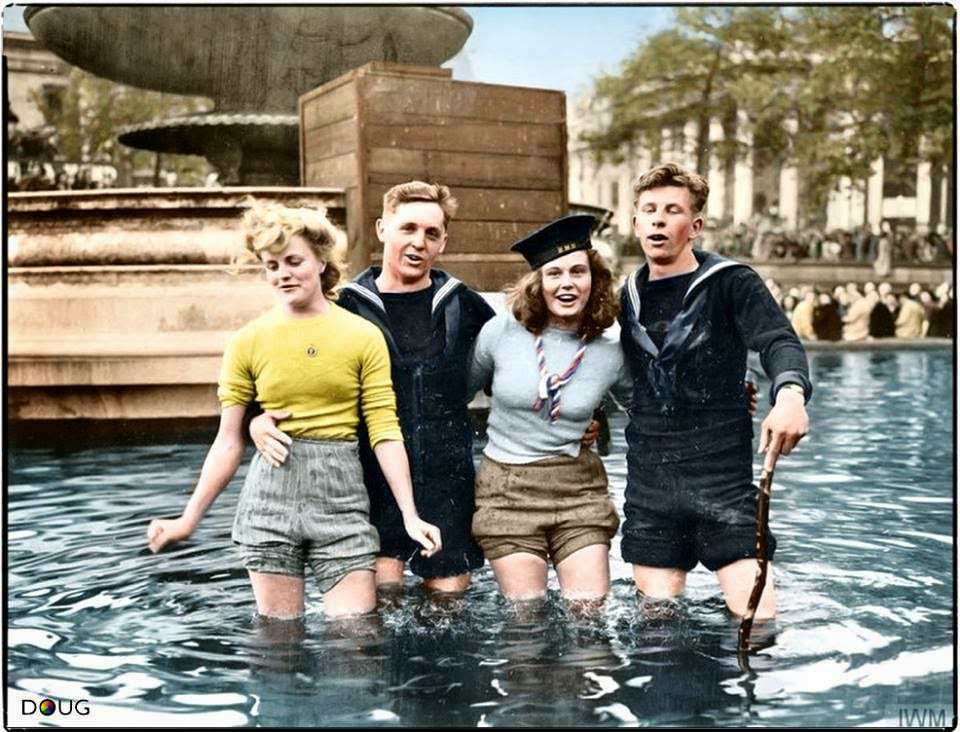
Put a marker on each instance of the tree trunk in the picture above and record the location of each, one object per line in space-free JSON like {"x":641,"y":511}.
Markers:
{"x":866,"y":201}
{"x":951,"y":220}
{"x":703,"y":119}
{"x":936,"y":184}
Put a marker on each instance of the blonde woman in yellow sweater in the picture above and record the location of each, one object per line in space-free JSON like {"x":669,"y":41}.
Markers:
{"x":312,"y":358}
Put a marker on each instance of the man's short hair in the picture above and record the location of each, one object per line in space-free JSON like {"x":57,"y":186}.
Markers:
{"x":417,"y":190}
{"x":671,"y":174}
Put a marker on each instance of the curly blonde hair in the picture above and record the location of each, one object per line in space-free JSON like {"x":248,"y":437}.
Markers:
{"x":526,"y":302}
{"x":270,"y":227}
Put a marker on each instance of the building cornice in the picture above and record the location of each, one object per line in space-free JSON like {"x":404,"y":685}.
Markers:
{"x":25,"y":55}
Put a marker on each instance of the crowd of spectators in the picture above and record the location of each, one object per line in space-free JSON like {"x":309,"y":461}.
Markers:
{"x":766,"y":238}
{"x":37,"y":176}
{"x":877,"y":311}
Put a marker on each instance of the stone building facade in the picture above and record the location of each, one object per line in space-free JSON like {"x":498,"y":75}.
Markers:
{"x":743,"y":188}
{"x":31,"y":70}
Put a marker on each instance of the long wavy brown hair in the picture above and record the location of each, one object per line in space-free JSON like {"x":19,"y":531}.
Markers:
{"x":526,"y":302}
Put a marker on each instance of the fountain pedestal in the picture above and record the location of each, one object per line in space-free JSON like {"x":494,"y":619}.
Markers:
{"x":501,"y":149}
{"x":121,"y":301}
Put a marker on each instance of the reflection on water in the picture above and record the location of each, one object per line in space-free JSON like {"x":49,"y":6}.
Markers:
{"x":863,"y":512}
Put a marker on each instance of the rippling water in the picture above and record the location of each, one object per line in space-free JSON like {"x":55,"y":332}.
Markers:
{"x":863,"y":512}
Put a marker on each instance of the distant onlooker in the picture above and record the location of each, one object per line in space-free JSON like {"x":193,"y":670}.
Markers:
{"x":910,"y":318}
{"x":929,"y":246}
{"x":909,"y":247}
{"x":881,"y":322}
{"x":856,"y":323}
{"x":943,"y":316}
{"x":812,"y":241}
{"x":893,"y":304}
{"x":802,"y":317}
{"x":862,"y":242}
{"x":853,"y":293}
{"x":841,"y":299}
{"x":881,"y":265}
{"x":827,"y":324}
{"x":788,"y":304}
{"x":830,"y":250}
{"x":847,"y":246}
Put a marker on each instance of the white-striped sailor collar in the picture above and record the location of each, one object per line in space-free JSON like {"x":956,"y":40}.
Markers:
{"x":442,"y":293}
{"x":714,"y":263}
{"x":365,"y":293}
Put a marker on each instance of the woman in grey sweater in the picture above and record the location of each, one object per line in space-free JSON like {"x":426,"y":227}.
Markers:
{"x":548,"y":363}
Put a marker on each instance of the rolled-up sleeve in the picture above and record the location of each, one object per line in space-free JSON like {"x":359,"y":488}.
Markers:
{"x":376,"y":391}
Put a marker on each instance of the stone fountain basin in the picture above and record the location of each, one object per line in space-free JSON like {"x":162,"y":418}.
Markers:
{"x":120,"y":301}
{"x":244,"y":57}
{"x":199,"y":134}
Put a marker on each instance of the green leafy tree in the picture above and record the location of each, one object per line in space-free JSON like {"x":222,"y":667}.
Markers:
{"x":825,"y":88}
{"x":882,"y":85}
{"x":714,"y":63}
{"x":90,"y":112}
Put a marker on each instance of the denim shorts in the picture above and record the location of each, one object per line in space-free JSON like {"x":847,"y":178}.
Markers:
{"x":550,"y":508}
{"x":312,"y":510}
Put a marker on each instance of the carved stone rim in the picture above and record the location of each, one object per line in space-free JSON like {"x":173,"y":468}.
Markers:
{"x":214,"y":120}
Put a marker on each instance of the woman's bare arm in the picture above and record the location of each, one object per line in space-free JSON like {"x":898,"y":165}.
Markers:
{"x":219,"y":467}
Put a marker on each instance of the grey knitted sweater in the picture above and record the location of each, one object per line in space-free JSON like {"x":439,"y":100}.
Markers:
{"x":505,"y":358}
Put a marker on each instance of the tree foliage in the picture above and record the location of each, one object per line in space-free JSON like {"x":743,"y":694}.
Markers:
{"x":826,"y":88}
{"x":90,"y":112}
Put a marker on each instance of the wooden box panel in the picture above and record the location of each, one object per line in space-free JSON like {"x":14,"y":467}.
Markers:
{"x":454,"y":135}
{"x":488,"y":204}
{"x":485,"y":275}
{"x":330,"y":140}
{"x":464,"y":169}
{"x":330,"y":103}
{"x":384,"y":96}
{"x":481,"y":237}
{"x":338,"y":170}
{"x":501,"y":150}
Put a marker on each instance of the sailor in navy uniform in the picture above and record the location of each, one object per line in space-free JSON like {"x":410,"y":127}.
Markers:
{"x":688,"y":319}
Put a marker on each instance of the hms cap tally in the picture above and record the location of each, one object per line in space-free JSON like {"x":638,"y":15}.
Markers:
{"x":566,"y":234}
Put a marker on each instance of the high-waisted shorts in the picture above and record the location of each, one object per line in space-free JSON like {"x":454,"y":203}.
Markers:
{"x":550,"y":508}
{"x":312,"y":510}
{"x":682,"y":512}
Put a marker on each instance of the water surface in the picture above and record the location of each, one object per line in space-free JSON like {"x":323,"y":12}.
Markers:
{"x":863,"y":512}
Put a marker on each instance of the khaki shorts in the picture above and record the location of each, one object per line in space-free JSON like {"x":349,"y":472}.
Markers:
{"x":550,"y":508}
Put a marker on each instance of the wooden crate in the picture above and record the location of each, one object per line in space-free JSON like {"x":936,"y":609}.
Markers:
{"x":502,"y":150}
